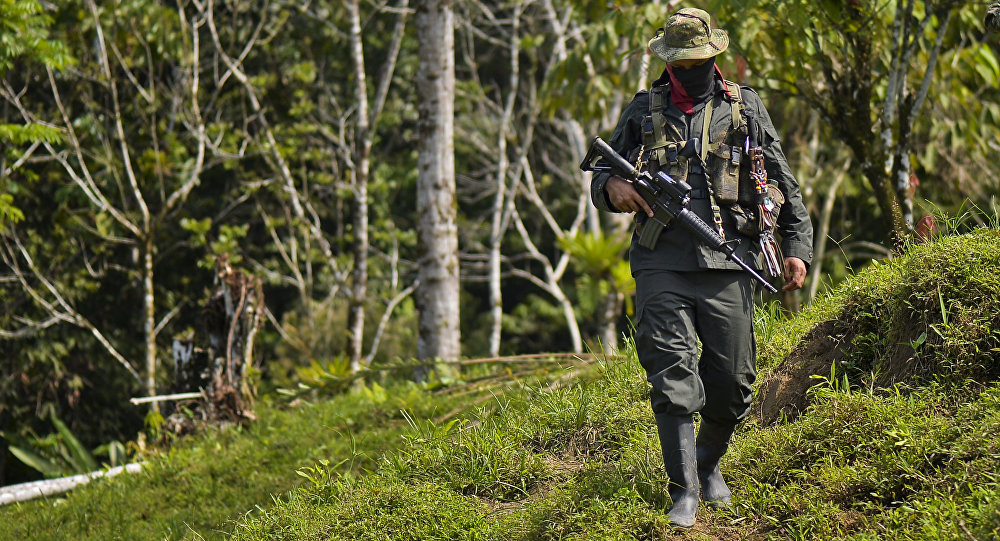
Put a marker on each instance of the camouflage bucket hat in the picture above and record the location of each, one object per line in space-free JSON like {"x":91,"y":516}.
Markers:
{"x":688,"y":35}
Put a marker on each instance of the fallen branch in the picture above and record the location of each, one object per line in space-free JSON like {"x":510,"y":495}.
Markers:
{"x":165,"y":398}
{"x":582,"y":357}
{"x":37,"y":489}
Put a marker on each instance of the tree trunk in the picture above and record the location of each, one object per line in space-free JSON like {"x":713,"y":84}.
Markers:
{"x":438,"y":293}
{"x":609,"y":310}
{"x":149,"y":318}
{"x":497,"y":224}
{"x":821,"y":235}
{"x":362,"y":156}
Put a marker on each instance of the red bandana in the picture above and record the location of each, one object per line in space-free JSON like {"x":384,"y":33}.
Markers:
{"x":679,"y":96}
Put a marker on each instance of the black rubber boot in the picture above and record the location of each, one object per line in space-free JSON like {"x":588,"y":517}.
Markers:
{"x":713,"y":441}
{"x":678,"y":445}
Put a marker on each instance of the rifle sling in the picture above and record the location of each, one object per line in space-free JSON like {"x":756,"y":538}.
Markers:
{"x":705,"y":143}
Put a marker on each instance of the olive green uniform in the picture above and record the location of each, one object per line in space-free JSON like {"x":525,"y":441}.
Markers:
{"x":686,"y":291}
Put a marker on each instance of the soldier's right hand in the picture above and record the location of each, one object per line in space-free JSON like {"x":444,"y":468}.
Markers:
{"x":624,"y":197}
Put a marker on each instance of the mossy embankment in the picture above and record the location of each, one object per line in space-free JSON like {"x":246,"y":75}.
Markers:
{"x":877,"y":417}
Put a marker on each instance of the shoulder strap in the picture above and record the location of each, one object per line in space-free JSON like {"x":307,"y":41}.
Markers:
{"x":705,"y":127}
{"x":736,"y":101}
{"x":733,"y":89}
{"x":657,"y":103}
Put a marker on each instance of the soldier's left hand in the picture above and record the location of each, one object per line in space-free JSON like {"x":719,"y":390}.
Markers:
{"x":795,"y":273}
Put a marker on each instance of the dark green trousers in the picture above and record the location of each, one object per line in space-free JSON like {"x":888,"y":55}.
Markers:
{"x":673,"y":311}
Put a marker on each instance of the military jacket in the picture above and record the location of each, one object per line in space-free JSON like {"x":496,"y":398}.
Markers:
{"x":678,"y":249}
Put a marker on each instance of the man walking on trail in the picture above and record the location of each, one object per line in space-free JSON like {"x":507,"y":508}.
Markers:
{"x":685,"y":291}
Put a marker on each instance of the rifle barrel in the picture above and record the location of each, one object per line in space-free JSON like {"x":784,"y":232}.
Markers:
{"x":701,"y":229}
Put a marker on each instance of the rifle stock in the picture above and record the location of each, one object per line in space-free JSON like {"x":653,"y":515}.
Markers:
{"x":615,"y":162}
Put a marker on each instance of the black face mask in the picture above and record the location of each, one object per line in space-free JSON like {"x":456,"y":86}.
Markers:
{"x":699,"y":81}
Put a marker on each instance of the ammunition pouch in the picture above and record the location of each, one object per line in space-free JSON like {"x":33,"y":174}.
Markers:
{"x":664,"y":157}
{"x":745,"y":219}
{"x":723,"y":167}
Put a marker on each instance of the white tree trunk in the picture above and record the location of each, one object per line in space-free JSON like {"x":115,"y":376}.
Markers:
{"x":362,"y":153}
{"x":438,"y":293}
{"x":149,"y":320}
{"x":497,"y":225}
{"x":819,"y":253}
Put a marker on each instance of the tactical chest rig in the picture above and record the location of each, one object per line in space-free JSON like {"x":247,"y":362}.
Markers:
{"x":722,"y":157}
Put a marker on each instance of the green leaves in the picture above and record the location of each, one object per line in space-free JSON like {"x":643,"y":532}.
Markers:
{"x":198,"y":228}
{"x":603,"y":65}
{"x":595,"y":252}
{"x":304,"y":72}
{"x":24,"y":36}
{"x":226,"y":240}
{"x":26,"y":453}
{"x":31,"y":132}
{"x":9,"y":214}
{"x":986,"y":65}
{"x":79,"y":457}
{"x":603,"y":268}
{"x":55,"y":455}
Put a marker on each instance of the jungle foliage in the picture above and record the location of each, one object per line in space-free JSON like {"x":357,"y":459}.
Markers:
{"x":912,"y":456}
{"x":142,"y":139}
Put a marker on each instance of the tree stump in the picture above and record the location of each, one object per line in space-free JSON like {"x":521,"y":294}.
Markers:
{"x":218,"y":360}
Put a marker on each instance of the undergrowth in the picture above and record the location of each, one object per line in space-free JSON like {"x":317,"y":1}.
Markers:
{"x":900,"y":440}
{"x":893,"y":446}
{"x":203,"y":484}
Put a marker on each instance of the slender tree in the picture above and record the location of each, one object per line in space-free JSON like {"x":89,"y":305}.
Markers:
{"x":438,"y":293}
{"x":367,"y":116}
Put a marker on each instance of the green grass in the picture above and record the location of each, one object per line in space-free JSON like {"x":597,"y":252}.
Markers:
{"x":863,"y":464}
{"x":580,"y":455}
{"x":901,"y":440}
{"x":894,"y":465}
{"x":204,"y":485}
{"x":201,"y":486}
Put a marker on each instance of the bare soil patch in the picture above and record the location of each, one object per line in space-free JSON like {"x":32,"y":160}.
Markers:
{"x":784,"y":392}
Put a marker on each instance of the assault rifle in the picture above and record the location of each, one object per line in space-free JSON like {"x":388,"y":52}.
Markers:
{"x":669,"y":199}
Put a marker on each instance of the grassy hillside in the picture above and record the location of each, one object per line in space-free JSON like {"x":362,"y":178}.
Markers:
{"x":897,"y":438}
{"x":206,"y":481}
{"x":877,"y":417}
{"x":202,"y":485}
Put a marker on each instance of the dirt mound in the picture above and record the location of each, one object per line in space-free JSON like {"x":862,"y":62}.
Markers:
{"x":784,"y":391}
